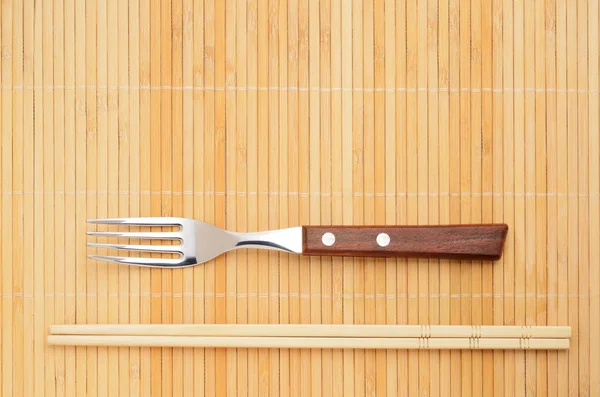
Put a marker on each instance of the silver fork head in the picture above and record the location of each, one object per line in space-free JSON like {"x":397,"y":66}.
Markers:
{"x":199,"y":241}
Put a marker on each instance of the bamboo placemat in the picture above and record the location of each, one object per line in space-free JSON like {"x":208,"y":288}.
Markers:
{"x":257,"y":114}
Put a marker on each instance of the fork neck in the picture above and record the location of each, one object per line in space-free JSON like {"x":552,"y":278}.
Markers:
{"x":286,"y":240}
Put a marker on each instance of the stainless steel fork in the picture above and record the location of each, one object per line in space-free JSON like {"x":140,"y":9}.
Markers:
{"x":200,"y":242}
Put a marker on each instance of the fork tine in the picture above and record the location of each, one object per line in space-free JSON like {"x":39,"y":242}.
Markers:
{"x":144,"y":248}
{"x":140,"y":235}
{"x":144,"y":221}
{"x":158,"y":262}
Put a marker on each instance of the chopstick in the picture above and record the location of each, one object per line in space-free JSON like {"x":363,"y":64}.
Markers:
{"x":316,"y":330}
{"x":308,"y":342}
{"x":313,"y":336}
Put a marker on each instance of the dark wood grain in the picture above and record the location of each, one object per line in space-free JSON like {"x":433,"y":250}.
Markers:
{"x":468,"y":242}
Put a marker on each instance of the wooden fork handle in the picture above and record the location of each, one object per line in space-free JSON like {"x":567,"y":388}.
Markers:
{"x":467,"y":242}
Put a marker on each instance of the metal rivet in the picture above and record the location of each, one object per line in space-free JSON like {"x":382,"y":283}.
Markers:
{"x":383,"y":239}
{"x":328,"y":239}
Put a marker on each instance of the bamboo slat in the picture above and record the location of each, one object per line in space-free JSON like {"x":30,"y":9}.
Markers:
{"x":6,"y":220}
{"x":133,"y":79}
{"x":28,"y":204}
{"x":562,"y":176}
{"x":594,"y":190}
{"x":69,"y":185}
{"x":146,"y":157}
{"x":18,"y":178}
{"x":273,"y":113}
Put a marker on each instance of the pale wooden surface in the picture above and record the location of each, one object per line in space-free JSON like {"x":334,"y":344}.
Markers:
{"x":256,"y":114}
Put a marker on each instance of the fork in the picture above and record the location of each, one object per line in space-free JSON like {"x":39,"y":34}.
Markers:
{"x":200,"y":242}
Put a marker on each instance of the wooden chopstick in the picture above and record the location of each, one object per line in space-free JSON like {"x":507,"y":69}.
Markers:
{"x":308,"y":343}
{"x":316,"y":330}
